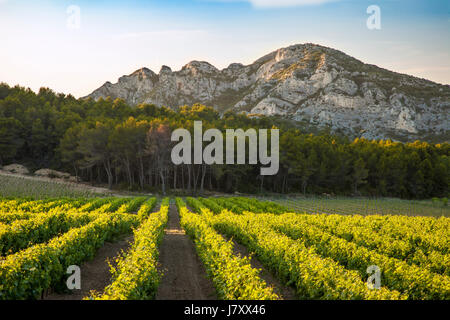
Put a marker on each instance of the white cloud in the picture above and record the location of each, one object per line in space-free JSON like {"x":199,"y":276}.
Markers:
{"x":280,"y":3}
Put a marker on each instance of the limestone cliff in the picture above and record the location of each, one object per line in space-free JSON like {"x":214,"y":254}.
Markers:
{"x":306,"y":83}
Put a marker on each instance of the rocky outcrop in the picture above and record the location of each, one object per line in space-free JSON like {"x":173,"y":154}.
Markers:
{"x":54,"y":174}
{"x":16,"y":168}
{"x":49,"y":173}
{"x":307,"y":83}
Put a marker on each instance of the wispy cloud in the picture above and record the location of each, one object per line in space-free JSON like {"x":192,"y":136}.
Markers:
{"x":279,"y":3}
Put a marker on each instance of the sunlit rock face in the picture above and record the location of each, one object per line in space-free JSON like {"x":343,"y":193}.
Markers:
{"x":308,"y":83}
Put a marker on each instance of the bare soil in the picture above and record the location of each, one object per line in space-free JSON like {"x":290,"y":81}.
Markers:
{"x":95,"y":274}
{"x":184,"y":274}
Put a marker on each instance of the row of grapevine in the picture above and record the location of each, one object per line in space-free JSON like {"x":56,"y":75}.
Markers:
{"x":136,"y":276}
{"x":233,"y":276}
{"x":23,"y":233}
{"x":212,"y":205}
{"x":239,"y":205}
{"x":39,"y":206}
{"x":25,"y":274}
{"x":420,"y":279}
{"x":313,"y":276}
{"x":94,"y":205}
{"x":416,"y":282}
{"x":33,"y":209}
{"x":258,"y":206}
{"x":132,"y":205}
{"x":28,"y":205}
{"x":426,"y":233}
{"x":422,"y":252}
{"x":31,"y":265}
{"x":146,"y":208}
{"x":418,"y":240}
{"x":37,"y":228}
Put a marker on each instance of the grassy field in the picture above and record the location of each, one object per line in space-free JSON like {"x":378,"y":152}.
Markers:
{"x":365,"y":206}
{"x":29,"y":187}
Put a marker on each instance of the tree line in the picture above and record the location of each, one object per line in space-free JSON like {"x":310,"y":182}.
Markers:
{"x":129,"y":147}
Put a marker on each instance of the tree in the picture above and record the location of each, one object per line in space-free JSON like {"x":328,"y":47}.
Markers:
{"x":360,"y":174}
{"x":95,"y":148}
{"x":68,"y":148}
{"x":10,"y":138}
{"x":38,"y":141}
{"x":158,"y":144}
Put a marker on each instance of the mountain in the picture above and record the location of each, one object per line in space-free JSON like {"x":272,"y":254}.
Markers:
{"x":307,"y":83}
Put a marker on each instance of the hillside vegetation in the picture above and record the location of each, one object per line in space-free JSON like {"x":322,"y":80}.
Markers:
{"x":110,"y":142}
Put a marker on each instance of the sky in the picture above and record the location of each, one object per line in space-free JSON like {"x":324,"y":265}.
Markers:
{"x":75,"y":46}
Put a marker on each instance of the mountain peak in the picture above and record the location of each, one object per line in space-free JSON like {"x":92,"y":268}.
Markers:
{"x":165,"y":69}
{"x":200,"y":67}
{"x":143,"y":73}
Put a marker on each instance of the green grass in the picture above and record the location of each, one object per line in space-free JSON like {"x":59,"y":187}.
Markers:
{"x":11,"y":187}
{"x":364,"y":206}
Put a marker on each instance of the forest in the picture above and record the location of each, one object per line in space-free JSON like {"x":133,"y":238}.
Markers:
{"x":108,"y":142}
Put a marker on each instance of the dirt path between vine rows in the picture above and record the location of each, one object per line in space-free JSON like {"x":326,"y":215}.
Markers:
{"x":95,"y":274}
{"x":184,"y":274}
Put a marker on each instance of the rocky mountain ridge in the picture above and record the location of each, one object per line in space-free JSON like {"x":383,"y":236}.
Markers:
{"x":307,"y":83}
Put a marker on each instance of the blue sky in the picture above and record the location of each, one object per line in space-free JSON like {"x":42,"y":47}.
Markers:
{"x":117,"y":37}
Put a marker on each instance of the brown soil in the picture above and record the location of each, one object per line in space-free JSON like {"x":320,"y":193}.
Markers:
{"x":286,"y":293}
{"x":184,"y":274}
{"x":95,"y":274}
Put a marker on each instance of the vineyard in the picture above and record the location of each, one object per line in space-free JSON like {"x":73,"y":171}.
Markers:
{"x":220,"y":248}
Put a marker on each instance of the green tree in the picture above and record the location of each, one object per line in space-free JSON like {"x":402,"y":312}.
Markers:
{"x":10,"y":138}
